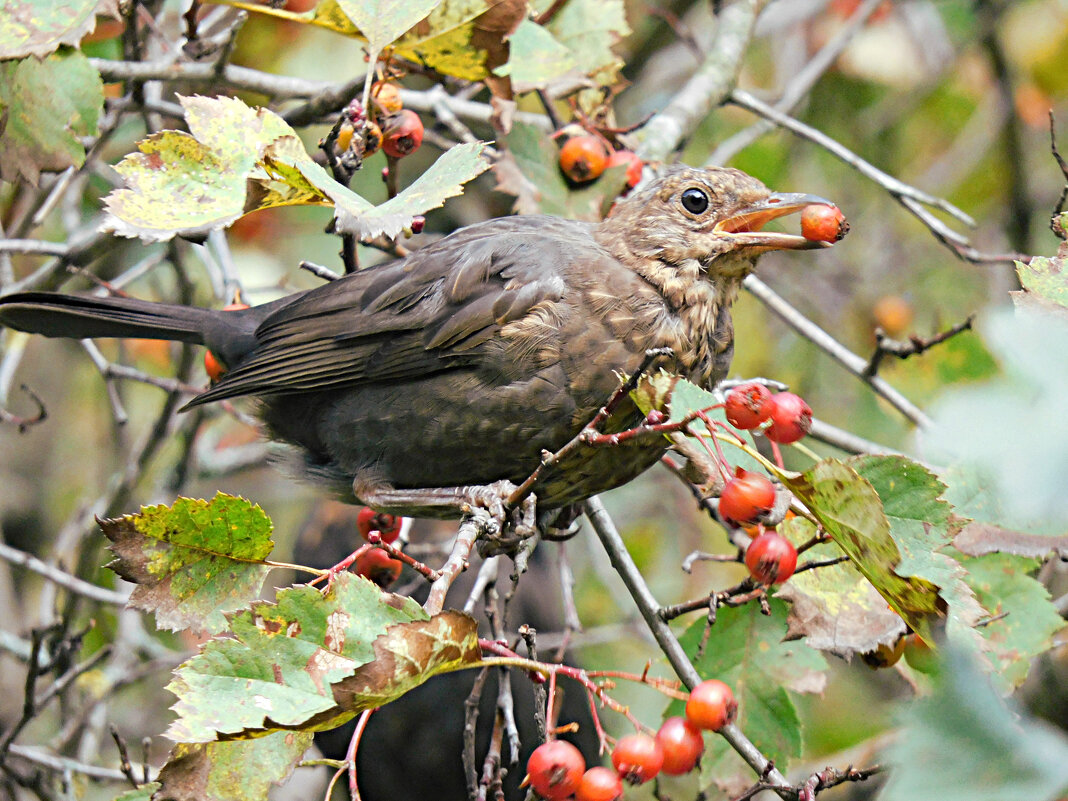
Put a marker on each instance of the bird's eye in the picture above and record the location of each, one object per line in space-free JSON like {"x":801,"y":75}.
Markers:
{"x":694,"y":201}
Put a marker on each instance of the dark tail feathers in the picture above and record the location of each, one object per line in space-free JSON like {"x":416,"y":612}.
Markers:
{"x":81,"y":316}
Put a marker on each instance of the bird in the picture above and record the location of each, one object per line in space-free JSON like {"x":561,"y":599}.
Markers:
{"x":409,"y":385}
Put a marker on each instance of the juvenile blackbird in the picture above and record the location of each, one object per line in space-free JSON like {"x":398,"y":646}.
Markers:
{"x":408,"y":384}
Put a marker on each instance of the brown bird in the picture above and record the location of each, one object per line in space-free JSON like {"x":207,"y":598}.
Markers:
{"x":407,"y":385}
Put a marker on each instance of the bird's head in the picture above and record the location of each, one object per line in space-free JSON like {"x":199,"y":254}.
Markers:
{"x":712,"y":217}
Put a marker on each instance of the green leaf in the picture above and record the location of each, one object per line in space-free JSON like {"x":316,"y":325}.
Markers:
{"x":852,"y":515}
{"x":921,"y":524}
{"x":237,"y":770}
{"x":962,"y":743}
{"x":1046,"y":278}
{"x":45,"y":105}
{"x":590,"y":29}
{"x":194,"y":560}
{"x":535,"y":57}
{"x":835,"y":608}
{"x":745,"y":649}
{"x":278,"y":670}
{"x":142,"y":793}
{"x":529,"y":171}
{"x":382,"y":21}
{"x":1003,"y":584}
{"x":39,"y":27}
{"x":190,"y":184}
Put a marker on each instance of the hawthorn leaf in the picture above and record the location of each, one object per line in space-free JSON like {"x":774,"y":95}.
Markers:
{"x":45,"y":106}
{"x":277,"y":670}
{"x":383,"y":21}
{"x":589,"y":29}
{"x":234,"y":770}
{"x":687,"y":398}
{"x":964,"y":743}
{"x":193,"y":183}
{"x":745,"y":649}
{"x":535,"y":57}
{"x":851,"y":513}
{"x":534,"y":178}
{"x":921,"y":525}
{"x":192,"y":561}
{"x":1046,"y":278}
{"x":835,"y":608}
{"x":1025,"y":621}
{"x":40,"y":27}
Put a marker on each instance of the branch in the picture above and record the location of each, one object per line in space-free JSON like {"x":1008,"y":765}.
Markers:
{"x":915,"y":345}
{"x":62,"y":578}
{"x":707,"y":88}
{"x":669,"y":644}
{"x":471,"y":528}
{"x":857,"y":365}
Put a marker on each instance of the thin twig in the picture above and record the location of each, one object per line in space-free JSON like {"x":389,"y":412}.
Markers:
{"x":62,"y":578}
{"x":885,"y":346}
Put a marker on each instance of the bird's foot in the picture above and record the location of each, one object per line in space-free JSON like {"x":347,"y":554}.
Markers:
{"x":513,"y":527}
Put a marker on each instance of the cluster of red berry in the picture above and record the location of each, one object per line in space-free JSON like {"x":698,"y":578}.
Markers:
{"x":584,"y":157}
{"x":375,"y":563}
{"x":396,"y":130}
{"x":557,"y":771}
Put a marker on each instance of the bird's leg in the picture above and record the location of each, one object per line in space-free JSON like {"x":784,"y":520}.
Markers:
{"x":450,"y":502}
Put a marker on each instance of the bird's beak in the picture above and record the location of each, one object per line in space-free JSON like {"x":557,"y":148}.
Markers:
{"x":744,"y":227}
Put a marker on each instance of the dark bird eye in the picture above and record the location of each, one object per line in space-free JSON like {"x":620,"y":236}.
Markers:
{"x":694,"y":201}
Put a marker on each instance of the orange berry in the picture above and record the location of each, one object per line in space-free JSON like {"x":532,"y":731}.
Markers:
{"x":583,"y":158}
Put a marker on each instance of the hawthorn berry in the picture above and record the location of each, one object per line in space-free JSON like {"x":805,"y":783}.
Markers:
{"x":402,"y":133}
{"x":637,"y":758}
{"x":599,"y":784}
{"x":372,"y":138}
{"x":682,"y":745}
{"x":771,"y":558}
{"x":823,"y":223}
{"x":344,"y":136}
{"x":378,"y":566}
{"x":748,"y":406}
{"x":634,"y":165}
{"x":418,"y":223}
{"x":919,"y":655}
{"x":388,"y":526}
{"x":386,"y":97}
{"x":583,"y":158}
{"x":791,"y":418}
{"x":555,"y":770}
{"x":746,"y":497}
{"x":711,"y":705}
{"x":885,"y":655}
{"x":893,"y":314}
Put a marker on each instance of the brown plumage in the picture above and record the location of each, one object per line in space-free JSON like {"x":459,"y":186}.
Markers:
{"x":460,"y":364}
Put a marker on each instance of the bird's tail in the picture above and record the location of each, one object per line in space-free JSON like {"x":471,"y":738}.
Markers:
{"x":81,"y":316}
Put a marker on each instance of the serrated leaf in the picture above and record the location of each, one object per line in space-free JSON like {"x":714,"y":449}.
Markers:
{"x":278,"y":670}
{"x":194,"y":560}
{"x":45,"y":106}
{"x":462,"y":38}
{"x":237,"y":770}
{"x":589,"y":29}
{"x":688,"y":398}
{"x":745,"y":649}
{"x":1046,"y":278}
{"x":39,"y":27}
{"x":852,"y":515}
{"x":190,"y":184}
{"x":962,"y":743}
{"x":921,"y":524}
{"x":539,"y":186}
{"x":1004,"y":586}
{"x":383,"y":21}
{"x":535,"y":57}
{"x":835,"y":608}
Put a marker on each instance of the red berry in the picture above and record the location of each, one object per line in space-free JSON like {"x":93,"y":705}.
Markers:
{"x":388,"y":526}
{"x":748,"y":406}
{"x":634,"y":165}
{"x":583,"y":158}
{"x":771,"y":558}
{"x":746,"y":497}
{"x":711,"y":705}
{"x":600,"y":784}
{"x":402,"y":133}
{"x":823,"y":223}
{"x":555,"y":769}
{"x":418,"y":222}
{"x":637,"y":758}
{"x":378,"y":566}
{"x":682,"y":745}
{"x":791,"y":418}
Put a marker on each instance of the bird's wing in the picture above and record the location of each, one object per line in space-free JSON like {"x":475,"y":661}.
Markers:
{"x":434,"y":311}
